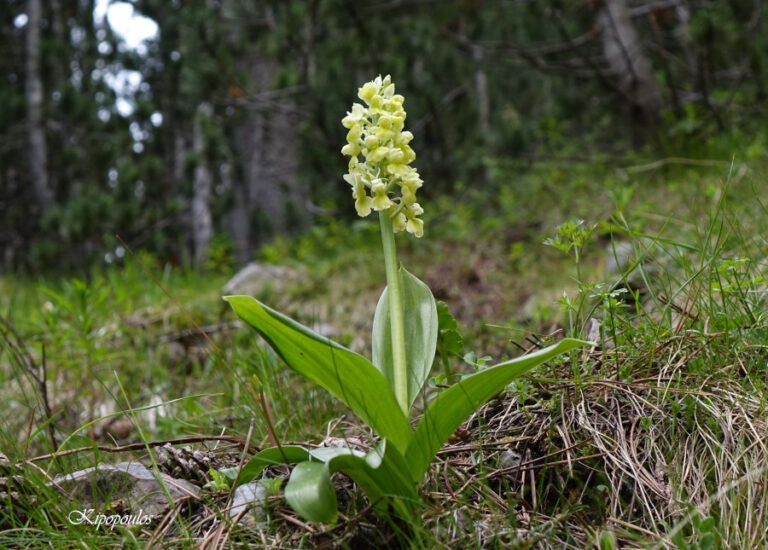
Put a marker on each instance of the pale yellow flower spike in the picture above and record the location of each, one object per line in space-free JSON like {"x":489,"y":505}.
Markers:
{"x":380,"y":155}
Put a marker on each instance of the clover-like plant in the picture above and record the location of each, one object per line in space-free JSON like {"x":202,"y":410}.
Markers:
{"x":381,"y":392}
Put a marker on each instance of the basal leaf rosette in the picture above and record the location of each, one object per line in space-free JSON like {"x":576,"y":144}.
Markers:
{"x":380,"y":155}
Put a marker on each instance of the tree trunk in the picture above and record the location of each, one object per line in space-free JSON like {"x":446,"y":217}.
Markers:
{"x":202,"y":225}
{"x":38,"y":154}
{"x":481,"y":91}
{"x":628,"y":67}
{"x":268,"y":199}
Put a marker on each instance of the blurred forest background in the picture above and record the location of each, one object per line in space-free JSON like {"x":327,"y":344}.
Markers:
{"x":151,"y":148}
{"x":223,"y":129}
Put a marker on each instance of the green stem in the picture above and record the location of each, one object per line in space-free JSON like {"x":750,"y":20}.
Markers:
{"x":396,"y":322}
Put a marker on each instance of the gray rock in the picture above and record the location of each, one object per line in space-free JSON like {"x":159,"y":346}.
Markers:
{"x":255,"y":279}
{"x":249,"y":495}
{"x":619,"y":257}
{"x":128,"y":485}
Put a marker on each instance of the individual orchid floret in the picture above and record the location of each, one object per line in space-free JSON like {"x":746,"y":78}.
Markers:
{"x":380,"y":174}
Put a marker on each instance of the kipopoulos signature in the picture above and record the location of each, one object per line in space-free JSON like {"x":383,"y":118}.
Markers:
{"x":89,"y":517}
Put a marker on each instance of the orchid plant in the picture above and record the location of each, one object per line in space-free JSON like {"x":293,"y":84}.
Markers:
{"x":380,"y":391}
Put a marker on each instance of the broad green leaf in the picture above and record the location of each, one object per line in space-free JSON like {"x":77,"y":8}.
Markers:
{"x":455,"y":404}
{"x":285,"y":454}
{"x":310,"y":492}
{"x":382,"y":473}
{"x":325,"y":454}
{"x":420,"y":319}
{"x":384,"y":476}
{"x":346,"y":374}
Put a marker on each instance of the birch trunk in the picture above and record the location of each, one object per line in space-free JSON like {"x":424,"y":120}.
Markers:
{"x":628,"y":67}
{"x":268,"y":199}
{"x":202,"y":224}
{"x":38,"y":153}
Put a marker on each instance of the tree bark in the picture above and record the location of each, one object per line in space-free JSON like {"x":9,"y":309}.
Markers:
{"x":268,"y":198}
{"x":38,"y":153}
{"x":202,"y":224}
{"x":628,"y":67}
